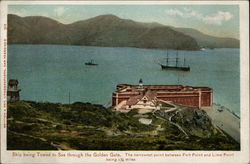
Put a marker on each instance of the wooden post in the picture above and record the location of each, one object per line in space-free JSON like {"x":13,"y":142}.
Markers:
{"x":69,"y":98}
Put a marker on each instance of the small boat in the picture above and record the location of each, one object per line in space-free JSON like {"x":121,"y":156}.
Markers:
{"x":91,"y":63}
{"x":167,"y":66}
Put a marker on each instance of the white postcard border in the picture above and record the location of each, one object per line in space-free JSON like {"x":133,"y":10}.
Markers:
{"x":238,"y":156}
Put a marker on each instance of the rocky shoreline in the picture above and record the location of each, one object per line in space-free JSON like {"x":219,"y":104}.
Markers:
{"x":225,"y":119}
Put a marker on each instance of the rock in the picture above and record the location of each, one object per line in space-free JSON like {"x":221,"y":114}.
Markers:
{"x":145,"y":121}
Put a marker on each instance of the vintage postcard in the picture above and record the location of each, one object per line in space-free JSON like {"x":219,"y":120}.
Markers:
{"x":124,"y":81}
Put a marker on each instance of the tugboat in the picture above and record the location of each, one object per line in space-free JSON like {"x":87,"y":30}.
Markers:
{"x":176,"y":66}
{"x":91,"y":63}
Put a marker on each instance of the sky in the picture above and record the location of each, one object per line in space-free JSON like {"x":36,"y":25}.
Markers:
{"x":216,"y":20}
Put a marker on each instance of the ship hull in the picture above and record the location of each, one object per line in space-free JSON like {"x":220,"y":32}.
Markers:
{"x":165,"y":67}
{"x":90,"y":64}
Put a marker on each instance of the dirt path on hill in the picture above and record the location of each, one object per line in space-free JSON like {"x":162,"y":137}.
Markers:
{"x":175,"y":124}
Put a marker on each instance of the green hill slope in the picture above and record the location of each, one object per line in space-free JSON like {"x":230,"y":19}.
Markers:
{"x":84,"y":126}
{"x":105,"y":30}
{"x":209,"y":41}
{"x":112,"y":31}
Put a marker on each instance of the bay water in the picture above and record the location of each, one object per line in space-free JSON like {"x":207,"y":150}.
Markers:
{"x":57,"y":73}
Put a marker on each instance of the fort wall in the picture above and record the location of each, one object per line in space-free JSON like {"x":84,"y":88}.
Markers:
{"x":178,"y":94}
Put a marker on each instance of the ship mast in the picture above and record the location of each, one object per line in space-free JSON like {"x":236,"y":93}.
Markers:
{"x":176,"y":61}
{"x":184,"y":61}
{"x":167,"y":57}
{"x":69,"y":98}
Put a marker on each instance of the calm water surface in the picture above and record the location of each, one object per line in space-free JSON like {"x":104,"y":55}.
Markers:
{"x":50,"y":72}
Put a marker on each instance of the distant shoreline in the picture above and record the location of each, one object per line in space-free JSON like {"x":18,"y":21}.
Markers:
{"x":45,"y":44}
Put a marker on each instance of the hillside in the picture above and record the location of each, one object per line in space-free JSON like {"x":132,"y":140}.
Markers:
{"x":207,"y":41}
{"x":85,"y":126}
{"x":105,"y":30}
{"x":110,"y":30}
{"x":36,"y":30}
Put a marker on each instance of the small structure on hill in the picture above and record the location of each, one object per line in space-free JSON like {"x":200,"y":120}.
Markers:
{"x":129,"y":96}
{"x":13,"y":91}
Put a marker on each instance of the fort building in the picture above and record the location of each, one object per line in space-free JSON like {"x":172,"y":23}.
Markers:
{"x":129,"y":96}
{"x":13,"y":91}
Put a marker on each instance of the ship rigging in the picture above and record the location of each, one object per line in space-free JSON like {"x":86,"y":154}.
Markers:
{"x":176,"y":66}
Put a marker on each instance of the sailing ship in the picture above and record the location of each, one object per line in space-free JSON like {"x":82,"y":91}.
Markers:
{"x":176,"y":66}
{"x":91,"y":63}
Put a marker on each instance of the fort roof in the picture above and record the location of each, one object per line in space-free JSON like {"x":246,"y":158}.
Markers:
{"x":151,"y":95}
{"x":134,"y":99}
{"x":165,"y":88}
